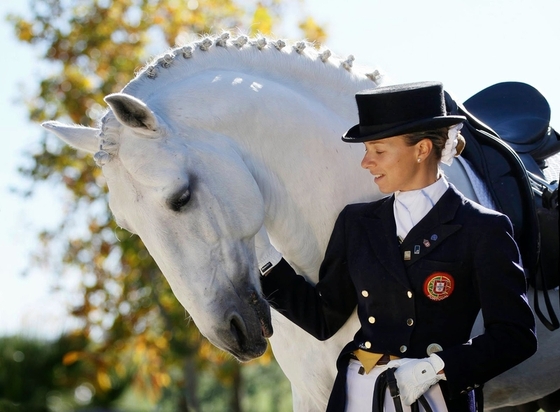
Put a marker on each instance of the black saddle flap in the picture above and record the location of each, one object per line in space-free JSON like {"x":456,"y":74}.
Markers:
{"x":505,"y":176}
{"x":507,"y":182}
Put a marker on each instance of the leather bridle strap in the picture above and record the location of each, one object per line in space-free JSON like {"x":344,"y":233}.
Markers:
{"x":386,"y":380}
{"x":393,"y":389}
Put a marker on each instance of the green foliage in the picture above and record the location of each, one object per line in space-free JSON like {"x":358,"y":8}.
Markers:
{"x":56,"y":376}
{"x":34,"y":378}
{"x":134,"y":330}
{"x":27,"y":373}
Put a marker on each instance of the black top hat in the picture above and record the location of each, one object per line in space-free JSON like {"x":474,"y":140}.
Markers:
{"x":400,"y":109}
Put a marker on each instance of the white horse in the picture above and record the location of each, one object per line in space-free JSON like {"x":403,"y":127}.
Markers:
{"x":211,"y":141}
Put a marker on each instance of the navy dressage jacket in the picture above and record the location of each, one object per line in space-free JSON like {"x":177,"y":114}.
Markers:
{"x":424,"y":292}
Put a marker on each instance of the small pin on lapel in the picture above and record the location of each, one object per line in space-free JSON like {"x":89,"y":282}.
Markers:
{"x":407,"y":255}
{"x":416,"y":249}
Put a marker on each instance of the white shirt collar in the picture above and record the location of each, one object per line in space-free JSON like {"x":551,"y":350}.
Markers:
{"x":411,"y":206}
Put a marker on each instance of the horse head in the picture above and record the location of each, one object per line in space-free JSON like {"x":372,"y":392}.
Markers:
{"x":196,"y":206}
{"x":190,"y":152}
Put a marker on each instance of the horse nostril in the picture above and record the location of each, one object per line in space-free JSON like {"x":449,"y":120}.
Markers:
{"x":237,"y":328}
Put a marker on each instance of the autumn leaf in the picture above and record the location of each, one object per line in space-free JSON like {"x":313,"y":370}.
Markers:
{"x":70,"y":358}
{"x":262,"y":21}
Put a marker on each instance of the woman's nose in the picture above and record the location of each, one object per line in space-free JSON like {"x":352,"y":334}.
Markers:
{"x":366,"y":161}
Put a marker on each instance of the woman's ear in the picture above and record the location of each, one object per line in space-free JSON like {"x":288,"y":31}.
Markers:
{"x":425,"y":147}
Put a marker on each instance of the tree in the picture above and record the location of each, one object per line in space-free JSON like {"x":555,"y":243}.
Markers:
{"x":33,"y":378}
{"x":92,"y":48}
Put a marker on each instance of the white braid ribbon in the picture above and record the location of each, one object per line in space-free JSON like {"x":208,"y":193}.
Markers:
{"x":450,"y":149}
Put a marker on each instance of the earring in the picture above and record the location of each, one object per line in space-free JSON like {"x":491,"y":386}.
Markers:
{"x":419,"y":160}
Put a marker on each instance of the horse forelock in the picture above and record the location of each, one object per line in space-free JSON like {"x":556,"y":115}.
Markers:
{"x":110,"y":128}
{"x":297,"y":61}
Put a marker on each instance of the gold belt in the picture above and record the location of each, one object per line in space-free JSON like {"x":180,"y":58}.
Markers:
{"x":371,"y":359}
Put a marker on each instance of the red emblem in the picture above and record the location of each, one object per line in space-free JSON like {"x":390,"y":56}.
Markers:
{"x":439,"y":286}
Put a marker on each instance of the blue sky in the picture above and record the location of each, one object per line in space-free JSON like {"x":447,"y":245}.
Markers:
{"x":466,"y":44}
{"x":26,"y":303}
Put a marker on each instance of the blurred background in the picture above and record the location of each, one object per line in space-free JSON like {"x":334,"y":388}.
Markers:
{"x":87,"y":322}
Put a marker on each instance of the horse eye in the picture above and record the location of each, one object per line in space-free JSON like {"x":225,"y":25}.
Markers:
{"x":180,"y":200}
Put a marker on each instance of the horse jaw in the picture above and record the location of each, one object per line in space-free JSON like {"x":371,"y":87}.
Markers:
{"x":80,"y":137}
{"x":235,"y":319}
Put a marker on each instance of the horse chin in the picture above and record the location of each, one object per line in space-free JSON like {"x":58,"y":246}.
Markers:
{"x":248,"y":353}
{"x":242,"y":345}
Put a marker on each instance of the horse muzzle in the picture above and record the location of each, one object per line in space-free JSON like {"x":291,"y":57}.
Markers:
{"x":248,"y":328}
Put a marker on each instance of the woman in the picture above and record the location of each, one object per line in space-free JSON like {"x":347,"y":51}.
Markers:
{"x":419,"y":265}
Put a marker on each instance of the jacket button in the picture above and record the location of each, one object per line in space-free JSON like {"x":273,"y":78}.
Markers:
{"x":367,"y":344}
{"x":371,"y":319}
{"x":410,"y":322}
{"x":365,"y":293}
{"x":409,"y":294}
{"x":433,"y":348}
{"x":403,"y":348}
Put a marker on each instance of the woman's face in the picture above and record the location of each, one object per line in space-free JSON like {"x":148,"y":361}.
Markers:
{"x":395,"y":164}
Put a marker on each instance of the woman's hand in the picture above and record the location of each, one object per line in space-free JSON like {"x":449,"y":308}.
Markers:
{"x":416,"y":376}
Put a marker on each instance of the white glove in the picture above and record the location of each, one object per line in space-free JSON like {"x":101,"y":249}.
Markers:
{"x":267,"y":255}
{"x":416,"y":376}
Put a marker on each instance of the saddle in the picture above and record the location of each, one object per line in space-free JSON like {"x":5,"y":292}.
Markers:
{"x":509,"y":140}
{"x":520,"y":115}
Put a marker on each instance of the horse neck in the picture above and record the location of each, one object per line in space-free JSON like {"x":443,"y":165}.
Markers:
{"x":285,"y":111}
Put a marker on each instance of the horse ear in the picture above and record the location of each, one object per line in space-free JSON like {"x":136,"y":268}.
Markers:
{"x":132,"y":112}
{"x":80,"y":137}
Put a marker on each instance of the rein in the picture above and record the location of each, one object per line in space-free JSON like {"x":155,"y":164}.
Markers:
{"x":387,"y":380}
{"x":549,"y":196}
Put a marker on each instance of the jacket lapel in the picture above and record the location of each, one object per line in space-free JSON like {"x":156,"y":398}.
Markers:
{"x":433,"y":229}
{"x":424,"y":238}
{"x":382,"y":234}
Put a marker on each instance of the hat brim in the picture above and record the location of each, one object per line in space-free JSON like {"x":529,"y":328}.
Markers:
{"x":356,"y":134}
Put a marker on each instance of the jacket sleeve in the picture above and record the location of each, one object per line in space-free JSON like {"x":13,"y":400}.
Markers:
{"x":320,"y":309}
{"x":509,"y":336}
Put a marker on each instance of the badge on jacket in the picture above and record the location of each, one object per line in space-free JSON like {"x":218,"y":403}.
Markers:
{"x":439,"y":286}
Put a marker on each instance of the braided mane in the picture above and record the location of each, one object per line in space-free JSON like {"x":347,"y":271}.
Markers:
{"x":302,"y":63}
{"x":299,"y":65}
